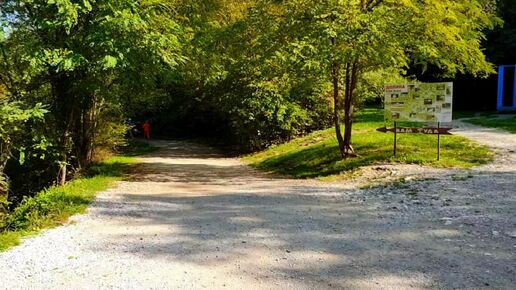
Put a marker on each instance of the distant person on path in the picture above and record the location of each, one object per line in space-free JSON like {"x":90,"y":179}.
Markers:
{"x":146,"y":130}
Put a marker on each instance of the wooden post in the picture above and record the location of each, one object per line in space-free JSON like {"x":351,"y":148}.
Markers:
{"x":438,"y":141}
{"x":395,"y":138}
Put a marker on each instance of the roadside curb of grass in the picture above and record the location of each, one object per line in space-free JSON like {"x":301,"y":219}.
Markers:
{"x":53,"y":206}
{"x":507,"y":124}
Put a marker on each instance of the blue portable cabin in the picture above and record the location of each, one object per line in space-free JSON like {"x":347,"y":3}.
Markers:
{"x":506,"y":88}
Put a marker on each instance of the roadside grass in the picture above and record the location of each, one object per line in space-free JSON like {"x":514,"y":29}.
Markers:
{"x":507,"y":124}
{"x":468,"y":114}
{"x":53,"y":206}
{"x":317,"y":155}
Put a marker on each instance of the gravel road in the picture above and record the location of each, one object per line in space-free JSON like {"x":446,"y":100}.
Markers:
{"x":193,"y":219}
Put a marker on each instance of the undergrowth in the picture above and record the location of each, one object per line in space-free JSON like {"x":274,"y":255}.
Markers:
{"x":53,"y":206}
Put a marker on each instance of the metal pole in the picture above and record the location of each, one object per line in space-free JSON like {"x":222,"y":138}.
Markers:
{"x":438,"y":141}
{"x":395,"y":138}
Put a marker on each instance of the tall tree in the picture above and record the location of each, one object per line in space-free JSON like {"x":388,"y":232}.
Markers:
{"x":79,"y":55}
{"x":236,"y":83}
{"x":348,"y":38}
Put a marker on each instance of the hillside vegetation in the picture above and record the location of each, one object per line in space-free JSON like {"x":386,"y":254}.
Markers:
{"x":53,"y":206}
{"x":316,"y":155}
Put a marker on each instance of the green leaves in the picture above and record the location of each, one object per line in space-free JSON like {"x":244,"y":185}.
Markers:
{"x":83,"y":56}
{"x":12,"y":114}
{"x":109,"y":62}
{"x":14,"y":117}
{"x":393,"y":33}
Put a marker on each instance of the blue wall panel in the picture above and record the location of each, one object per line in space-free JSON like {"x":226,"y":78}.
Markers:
{"x":501,"y":73}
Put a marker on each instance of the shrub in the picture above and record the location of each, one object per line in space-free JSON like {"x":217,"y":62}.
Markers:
{"x":3,"y":199}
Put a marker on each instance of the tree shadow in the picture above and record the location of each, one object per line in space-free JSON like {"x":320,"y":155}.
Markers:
{"x":318,"y":235}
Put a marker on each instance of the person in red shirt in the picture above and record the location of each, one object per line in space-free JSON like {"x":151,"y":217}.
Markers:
{"x":146,"y":130}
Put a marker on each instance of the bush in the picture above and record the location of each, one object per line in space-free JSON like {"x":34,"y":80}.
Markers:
{"x":110,"y":131}
{"x":54,"y":205}
{"x":3,"y":199}
{"x":50,"y":208}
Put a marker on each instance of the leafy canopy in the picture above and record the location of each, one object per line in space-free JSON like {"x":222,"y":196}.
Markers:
{"x":387,"y":33}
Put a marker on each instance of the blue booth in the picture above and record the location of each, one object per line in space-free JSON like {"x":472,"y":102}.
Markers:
{"x":506,"y":88}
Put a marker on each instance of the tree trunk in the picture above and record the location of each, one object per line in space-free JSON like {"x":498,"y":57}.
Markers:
{"x":85,"y":148}
{"x":65,"y":106}
{"x":336,"y":107}
{"x":5,"y":155}
{"x":350,"y":84}
{"x":61,"y":176}
{"x":336,"y":103}
{"x":65,"y":143}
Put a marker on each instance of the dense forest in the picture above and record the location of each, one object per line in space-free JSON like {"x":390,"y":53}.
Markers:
{"x":250,"y":72}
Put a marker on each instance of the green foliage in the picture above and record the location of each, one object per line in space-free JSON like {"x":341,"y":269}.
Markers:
{"x":384,"y":34}
{"x":4,"y":185}
{"x":261,"y":73}
{"x":53,"y":206}
{"x":236,"y":81}
{"x":266,"y":114}
{"x":317,"y":156}
{"x":82,"y":60}
{"x":50,"y":208}
{"x":371,"y":87}
{"x":14,"y":128}
{"x":347,"y":40}
{"x":110,"y":131}
{"x":9,"y":240}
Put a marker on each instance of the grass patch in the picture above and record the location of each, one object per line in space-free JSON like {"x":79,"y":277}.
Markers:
{"x":137,"y":148}
{"x":317,"y":155}
{"x":507,"y":123}
{"x":9,"y":239}
{"x":53,"y":206}
{"x":468,"y":114}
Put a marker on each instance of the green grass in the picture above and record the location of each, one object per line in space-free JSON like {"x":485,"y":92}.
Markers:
{"x":468,"y":114}
{"x":317,"y":155}
{"x":9,"y":240}
{"x":53,"y":206}
{"x":507,"y":124}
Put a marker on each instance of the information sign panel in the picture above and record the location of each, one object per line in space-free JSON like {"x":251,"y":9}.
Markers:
{"x":423,"y":102}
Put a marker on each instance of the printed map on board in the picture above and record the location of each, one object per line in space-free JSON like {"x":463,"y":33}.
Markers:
{"x":425,"y":102}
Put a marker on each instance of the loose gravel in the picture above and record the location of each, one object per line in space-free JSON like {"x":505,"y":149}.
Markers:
{"x":190,"y":218}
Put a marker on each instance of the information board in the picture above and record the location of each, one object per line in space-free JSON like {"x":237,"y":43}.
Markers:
{"x":421,"y":102}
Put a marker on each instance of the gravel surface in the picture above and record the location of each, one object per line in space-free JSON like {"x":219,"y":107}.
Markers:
{"x":191,"y":219}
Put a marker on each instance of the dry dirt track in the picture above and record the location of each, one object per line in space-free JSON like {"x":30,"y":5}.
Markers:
{"x":192,"y":219}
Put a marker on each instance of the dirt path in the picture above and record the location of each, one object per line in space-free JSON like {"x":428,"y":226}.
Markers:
{"x":192,"y":219}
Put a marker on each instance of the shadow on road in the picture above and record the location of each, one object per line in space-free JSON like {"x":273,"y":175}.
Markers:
{"x":215,"y":211}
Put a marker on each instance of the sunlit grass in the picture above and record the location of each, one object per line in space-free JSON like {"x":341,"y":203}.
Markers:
{"x":507,"y":124}
{"x":53,"y":206}
{"x":317,"y":155}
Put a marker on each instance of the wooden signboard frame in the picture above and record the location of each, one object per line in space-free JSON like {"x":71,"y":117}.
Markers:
{"x":412,"y":102}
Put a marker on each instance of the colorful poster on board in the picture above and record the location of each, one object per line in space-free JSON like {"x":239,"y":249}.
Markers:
{"x":423,"y":102}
